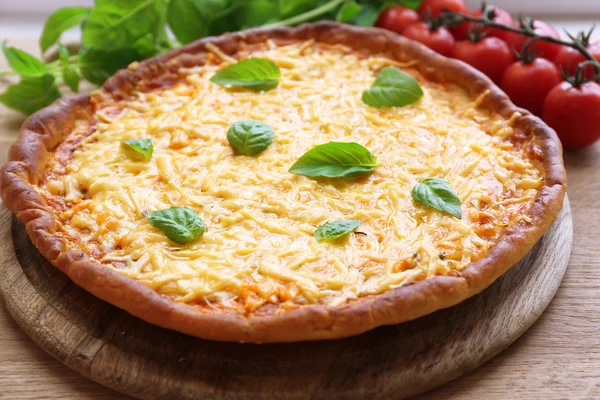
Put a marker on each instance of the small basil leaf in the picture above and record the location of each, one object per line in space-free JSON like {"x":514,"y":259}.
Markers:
{"x":146,"y":46}
{"x":138,"y":149}
{"x":392,"y":88}
{"x":335,"y":159}
{"x":71,"y":78}
{"x":61,"y":20}
{"x":290,"y":8}
{"x":252,"y":73}
{"x":22,"y":62}
{"x":336,"y":229}
{"x":69,"y":72}
{"x":180,"y":224}
{"x":259,"y":12}
{"x":367,"y":15}
{"x":63,"y":54}
{"x":437,"y":193}
{"x":250,"y":137}
{"x":98,"y":65}
{"x":31,"y":94}
{"x":348,"y":11}
{"x":412,"y":4}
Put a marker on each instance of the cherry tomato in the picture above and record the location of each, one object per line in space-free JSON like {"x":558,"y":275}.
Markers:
{"x":527,"y":85}
{"x":568,"y":59}
{"x":502,"y":17}
{"x":433,"y":8}
{"x":542,"y":49}
{"x":490,"y":55}
{"x":440,"y":40}
{"x":573,"y":113}
{"x":397,"y":18}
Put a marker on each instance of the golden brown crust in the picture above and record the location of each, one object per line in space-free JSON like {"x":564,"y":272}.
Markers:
{"x":47,"y":128}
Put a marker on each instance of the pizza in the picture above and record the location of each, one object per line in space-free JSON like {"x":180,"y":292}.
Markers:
{"x":286,"y":184}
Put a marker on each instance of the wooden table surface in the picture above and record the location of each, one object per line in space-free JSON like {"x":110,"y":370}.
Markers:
{"x":559,"y":357}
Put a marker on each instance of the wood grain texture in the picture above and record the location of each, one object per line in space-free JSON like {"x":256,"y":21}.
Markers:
{"x":122,"y":352}
{"x":557,"y":358}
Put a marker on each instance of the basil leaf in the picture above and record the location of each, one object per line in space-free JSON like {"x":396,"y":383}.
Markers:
{"x":350,"y":10}
{"x":250,"y":137}
{"x":335,"y":159}
{"x":412,"y":4}
{"x":31,"y":94}
{"x":117,"y":24}
{"x":336,"y":229}
{"x":259,"y":12}
{"x":289,"y":8}
{"x":437,"y":193}
{"x":366,"y":17}
{"x":69,"y":72}
{"x":180,"y":224}
{"x":59,"y":21}
{"x":392,"y":88}
{"x":71,"y":78}
{"x":146,"y":46}
{"x":252,"y":73}
{"x":98,"y":65}
{"x":22,"y":62}
{"x":63,"y":54}
{"x":193,"y":19}
{"x":138,"y":149}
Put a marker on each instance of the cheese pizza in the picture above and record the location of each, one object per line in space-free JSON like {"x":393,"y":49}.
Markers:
{"x":363,"y":180}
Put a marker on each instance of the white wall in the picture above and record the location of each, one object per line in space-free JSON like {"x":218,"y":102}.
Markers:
{"x":546,"y":7}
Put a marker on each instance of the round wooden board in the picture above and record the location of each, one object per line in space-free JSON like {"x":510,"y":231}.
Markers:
{"x":122,"y":352}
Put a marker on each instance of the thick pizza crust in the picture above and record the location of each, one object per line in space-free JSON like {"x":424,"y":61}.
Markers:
{"x":44,"y":130}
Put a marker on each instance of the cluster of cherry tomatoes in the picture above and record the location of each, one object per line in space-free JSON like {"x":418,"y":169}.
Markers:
{"x":534,"y":83}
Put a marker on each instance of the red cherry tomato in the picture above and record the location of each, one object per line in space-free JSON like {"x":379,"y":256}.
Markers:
{"x":527,"y":85}
{"x":440,"y":40}
{"x":568,"y":59}
{"x":397,"y":18}
{"x":490,"y":55}
{"x":573,"y":113}
{"x":542,"y":49}
{"x":433,"y":8}
{"x":502,"y":17}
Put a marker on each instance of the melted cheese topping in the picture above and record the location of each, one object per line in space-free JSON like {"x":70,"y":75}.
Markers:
{"x":259,"y":247}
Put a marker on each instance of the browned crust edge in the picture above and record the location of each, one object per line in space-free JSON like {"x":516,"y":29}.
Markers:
{"x":47,"y":128}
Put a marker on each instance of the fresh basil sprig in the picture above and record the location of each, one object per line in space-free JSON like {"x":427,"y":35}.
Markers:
{"x":392,"y":88}
{"x":138,"y":149}
{"x":252,"y":73}
{"x":437,"y":193}
{"x":335,"y":229}
{"x":250,"y":137}
{"x":69,"y":71}
{"x":116,"y":33}
{"x":335,"y":159}
{"x":180,"y":224}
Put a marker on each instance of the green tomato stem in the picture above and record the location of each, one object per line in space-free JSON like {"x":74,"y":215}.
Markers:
{"x":7,"y":73}
{"x":307,"y":16}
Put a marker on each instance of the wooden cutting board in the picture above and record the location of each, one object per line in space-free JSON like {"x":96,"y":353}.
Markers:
{"x":122,"y":352}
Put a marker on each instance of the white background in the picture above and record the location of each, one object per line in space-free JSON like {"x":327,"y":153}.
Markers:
{"x":543,"y":7}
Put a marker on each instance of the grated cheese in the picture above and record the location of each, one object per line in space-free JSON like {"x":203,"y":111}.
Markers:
{"x":259,"y":246}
